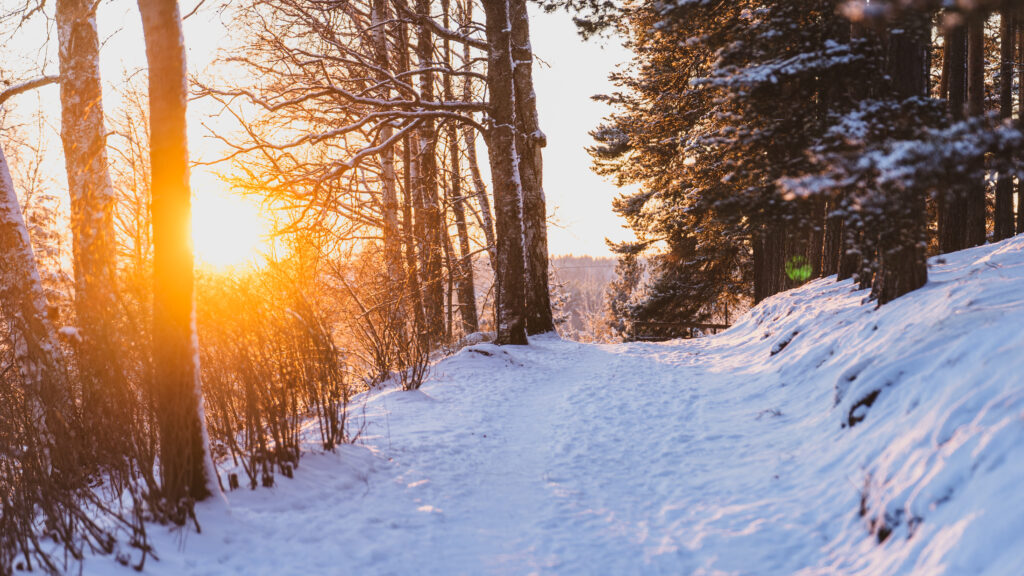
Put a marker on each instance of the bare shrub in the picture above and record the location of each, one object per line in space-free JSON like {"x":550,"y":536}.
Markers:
{"x":268,"y":361}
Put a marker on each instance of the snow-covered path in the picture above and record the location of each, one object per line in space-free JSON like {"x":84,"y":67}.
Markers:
{"x":726,"y":455}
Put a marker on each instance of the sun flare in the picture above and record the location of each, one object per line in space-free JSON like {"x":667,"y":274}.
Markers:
{"x":228,"y":231}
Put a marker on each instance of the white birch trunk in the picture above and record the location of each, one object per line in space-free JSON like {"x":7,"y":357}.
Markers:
{"x":37,"y":353}
{"x":92,"y":211}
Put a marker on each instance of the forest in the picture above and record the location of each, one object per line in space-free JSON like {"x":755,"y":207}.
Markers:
{"x":786,"y":141}
{"x":384,"y":161}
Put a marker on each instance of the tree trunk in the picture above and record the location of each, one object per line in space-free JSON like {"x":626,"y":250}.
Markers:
{"x":480,"y":192}
{"x":409,"y":233}
{"x":952,"y":205}
{"x":816,"y":238}
{"x":92,"y":219}
{"x":1020,"y":111}
{"x":410,"y":186}
{"x":389,"y":195}
{"x":433,"y":241}
{"x":975,"y":226}
{"x":37,"y":354}
{"x":469,"y":136}
{"x":463,"y":270}
{"x":943,"y":88}
{"x":510,"y":291}
{"x":833,"y":242}
{"x":769,"y":262}
{"x":902,"y":264}
{"x":1004,"y":188}
{"x":530,"y":141}
{"x":185,"y":467}
{"x":467,"y":290}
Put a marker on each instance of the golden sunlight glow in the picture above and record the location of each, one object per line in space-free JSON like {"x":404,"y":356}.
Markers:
{"x":228,"y":231}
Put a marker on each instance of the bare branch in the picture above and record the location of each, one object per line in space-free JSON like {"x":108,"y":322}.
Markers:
{"x":26,"y":86}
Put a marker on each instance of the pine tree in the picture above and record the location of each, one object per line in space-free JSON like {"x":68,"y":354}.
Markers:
{"x":1004,"y":227}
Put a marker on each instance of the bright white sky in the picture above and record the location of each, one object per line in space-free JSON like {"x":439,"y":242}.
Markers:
{"x":571,"y":72}
{"x":580,"y":200}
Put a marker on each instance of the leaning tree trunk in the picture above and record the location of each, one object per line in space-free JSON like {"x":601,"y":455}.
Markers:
{"x":469,"y":136}
{"x":1004,"y":187}
{"x":37,"y":354}
{"x":975,"y":215}
{"x":92,"y":218}
{"x":530,"y":140}
{"x":185,"y":467}
{"x":480,"y":192}
{"x":510,"y":291}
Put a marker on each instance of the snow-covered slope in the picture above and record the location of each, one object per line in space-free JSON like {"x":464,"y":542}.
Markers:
{"x":817,"y":436}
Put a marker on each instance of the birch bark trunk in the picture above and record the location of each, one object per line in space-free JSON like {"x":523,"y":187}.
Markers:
{"x":37,"y":353}
{"x":92,"y":214}
{"x":379,"y":16}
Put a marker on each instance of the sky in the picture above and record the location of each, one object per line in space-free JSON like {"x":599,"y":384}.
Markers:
{"x":568,"y":71}
{"x":572,"y":71}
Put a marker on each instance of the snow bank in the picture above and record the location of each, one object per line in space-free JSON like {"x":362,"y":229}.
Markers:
{"x":819,"y":435}
{"x":925,"y":414}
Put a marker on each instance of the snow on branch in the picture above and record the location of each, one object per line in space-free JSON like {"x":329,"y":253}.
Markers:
{"x":26,"y":86}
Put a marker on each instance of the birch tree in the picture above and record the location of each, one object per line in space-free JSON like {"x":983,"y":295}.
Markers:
{"x":38,"y":355}
{"x":92,"y":212}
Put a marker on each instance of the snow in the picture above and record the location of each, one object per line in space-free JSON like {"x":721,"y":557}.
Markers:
{"x":732,"y":454}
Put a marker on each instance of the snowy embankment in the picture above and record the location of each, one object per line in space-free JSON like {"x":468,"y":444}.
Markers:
{"x":817,"y":436}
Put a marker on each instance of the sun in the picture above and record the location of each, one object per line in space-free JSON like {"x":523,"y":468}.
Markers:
{"x":228,"y":231}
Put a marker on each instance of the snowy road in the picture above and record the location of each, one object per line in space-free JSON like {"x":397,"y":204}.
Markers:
{"x":726,"y":455}
{"x":558,"y":458}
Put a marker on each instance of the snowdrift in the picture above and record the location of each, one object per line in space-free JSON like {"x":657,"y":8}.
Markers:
{"x":919,"y":405}
{"x":820,"y":435}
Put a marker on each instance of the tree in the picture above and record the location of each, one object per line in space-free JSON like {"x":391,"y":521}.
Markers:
{"x":463,"y":270}
{"x":903,"y":265}
{"x":622,"y":293}
{"x":952,"y":206}
{"x":185,"y":466}
{"x":92,"y":219}
{"x":974,"y":234}
{"x":39,"y":358}
{"x":510,"y":290}
{"x":1004,"y":227}
{"x":429,"y":206}
{"x":530,"y":141}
